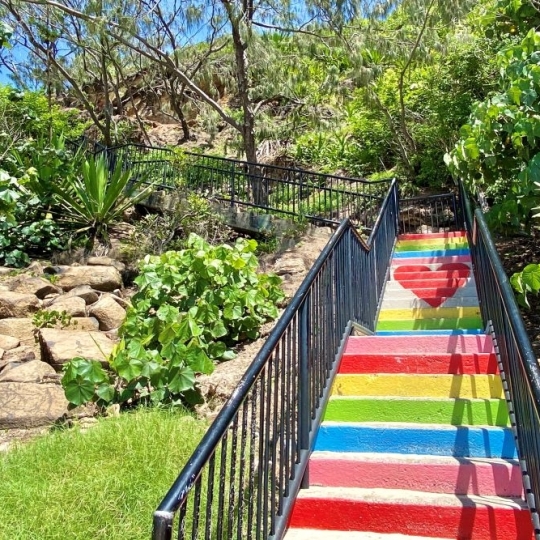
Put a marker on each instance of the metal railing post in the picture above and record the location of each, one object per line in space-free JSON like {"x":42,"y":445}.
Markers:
{"x":233,"y":177}
{"x":304,"y":385}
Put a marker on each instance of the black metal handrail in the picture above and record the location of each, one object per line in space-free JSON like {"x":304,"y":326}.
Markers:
{"x":243,"y":477}
{"x":432,"y":213}
{"x":286,"y":191}
{"x":518,"y":363}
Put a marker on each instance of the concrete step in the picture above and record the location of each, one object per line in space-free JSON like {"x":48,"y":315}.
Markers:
{"x":462,"y":323}
{"x":448,"y":252}
{"x":430,"y":245}
{"x":455,"y":412}
{"x":320,"y":534}
{"x":419,"y":354}
{"x":422,"y":439}
{"x":412,"y":513}
{"x":418,"y":258}
{"x":428,"y":236}
{"x":434,"y":474}
{"x":406,"y":301}
{"x":415,"y":385}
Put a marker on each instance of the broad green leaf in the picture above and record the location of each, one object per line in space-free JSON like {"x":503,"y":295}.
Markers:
{"x":79,"y":391}
{"x":181,"y":379}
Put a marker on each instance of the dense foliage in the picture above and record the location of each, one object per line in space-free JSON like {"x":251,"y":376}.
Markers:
{"x":192,"y":306}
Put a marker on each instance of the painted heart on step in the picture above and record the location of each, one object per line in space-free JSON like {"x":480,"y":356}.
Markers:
{"x":421,"y":287}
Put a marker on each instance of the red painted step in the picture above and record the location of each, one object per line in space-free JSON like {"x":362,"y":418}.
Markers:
{"x":458,"y":354}
{"x":413,"y":513}
{"x":432,"y":474}
{"x":405,"y":275}
{"x":430,"y":284}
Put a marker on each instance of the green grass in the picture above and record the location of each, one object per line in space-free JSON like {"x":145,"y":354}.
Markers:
{"x":100,"y":484}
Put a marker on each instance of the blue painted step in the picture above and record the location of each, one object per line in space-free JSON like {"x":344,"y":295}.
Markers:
{"x":437,"y":440}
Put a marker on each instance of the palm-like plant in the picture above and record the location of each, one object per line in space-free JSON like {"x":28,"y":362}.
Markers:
{"x":97,"y":198}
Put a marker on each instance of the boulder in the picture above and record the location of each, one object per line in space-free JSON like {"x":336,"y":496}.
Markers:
{"x":26,"y":405}
{"x":106,"y":261}
{"x":14,"y":304}
{"x":101,"y":278}
{"x":22,"y":329}
{"x":29,"y":372}
{"x":108,"y":312}
{"x":33,"y":285}
{"x":292,"y":265}
{"x":60,"y":346}
{"x":7,"y":342}
{"x":85,"y":292}
{"x":24,"y":353}
{"x":84,"y":323}
{"x":74,"y":306}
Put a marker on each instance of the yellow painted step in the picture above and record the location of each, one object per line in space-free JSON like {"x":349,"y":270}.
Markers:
{"x":435,"y":386}
{"x":428,"y":313}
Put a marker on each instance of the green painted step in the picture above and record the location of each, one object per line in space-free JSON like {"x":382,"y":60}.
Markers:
{"x":463,"y":323}
{"x":457,"y":412}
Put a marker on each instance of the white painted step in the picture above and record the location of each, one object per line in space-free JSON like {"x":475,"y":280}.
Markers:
{"x":405,"y":301}
{"x":410,"y":497}
{"x":318,"y":534}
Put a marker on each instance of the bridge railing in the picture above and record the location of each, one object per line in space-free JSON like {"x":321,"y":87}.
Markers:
{"x":519,"y":365}
{"x":242,"y":479}
{"x":285,"y":191}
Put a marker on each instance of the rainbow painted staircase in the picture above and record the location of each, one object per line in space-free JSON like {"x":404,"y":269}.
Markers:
{"x":415,"y":442}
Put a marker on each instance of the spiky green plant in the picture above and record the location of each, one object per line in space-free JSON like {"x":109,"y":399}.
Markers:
{"x":97,"y":198}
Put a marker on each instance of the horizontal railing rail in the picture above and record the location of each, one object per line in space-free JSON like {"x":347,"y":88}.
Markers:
{"x":285,"y":191}
{"x":242,"y":479}
{"x":519,"y":365}
{"x":432,"y":213}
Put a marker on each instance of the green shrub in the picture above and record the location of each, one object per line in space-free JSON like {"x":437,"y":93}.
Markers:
{"x":191,"y":308}
{"x":29,"y":233}
{"x":525,"y":282}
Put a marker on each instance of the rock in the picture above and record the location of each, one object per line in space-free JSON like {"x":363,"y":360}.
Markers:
{"x":61,"y":346}
{"x":49,"y":299}
{"x":118,"y":299}
{"x":74,"y":306}
{"x":24,"y":353}
{"x":25,"y":405}
{"x":292,"y":265}
{"x":6,"y":270}
{"x":7,"y":342}
{"x":33,"y":285}
{"x":108,"y":312}
{"x":22,"y":329}
{"x":101,"y":278}
{"x":14,"y":304}
{"x":29,"y":372}
{"x":85,"y":292}
{"x":106,"y":261}
{"x":84,"y":323}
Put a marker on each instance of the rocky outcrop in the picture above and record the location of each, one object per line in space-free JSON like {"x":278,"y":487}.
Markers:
{"x":108,"y":312}
{"x":61,"y":346}
{"x":31,"y":358}
{"x":33,"y":285}
{"x":74,"y":306}
{"x":85,"y":292}
{"x":26,"y":405}
{"x":34,"y":371}
{"x":7,"y":342}
{"x":100,"y":278}
{"x":15,"y":304}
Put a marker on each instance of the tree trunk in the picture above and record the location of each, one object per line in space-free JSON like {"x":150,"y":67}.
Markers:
{"x":259,"y":193}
